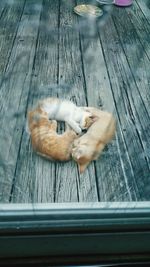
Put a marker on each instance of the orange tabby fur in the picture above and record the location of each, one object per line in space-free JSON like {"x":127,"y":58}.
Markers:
{"x":89,"y":146}
{"x":45,"y":140}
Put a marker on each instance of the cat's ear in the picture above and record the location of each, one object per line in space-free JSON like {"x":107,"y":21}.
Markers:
{"x":82,"y":167}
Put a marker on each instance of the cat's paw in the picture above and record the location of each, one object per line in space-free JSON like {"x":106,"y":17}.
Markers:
{"x":78,"y":130}
{"x":86,"y":121}
{"x":77,"y":153}
{"x":75,"y":126}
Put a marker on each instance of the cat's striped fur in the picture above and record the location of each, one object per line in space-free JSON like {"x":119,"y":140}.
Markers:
{"x":45,"y":139}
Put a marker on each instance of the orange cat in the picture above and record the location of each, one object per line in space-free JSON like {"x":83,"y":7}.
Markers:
{"x":89,"y":146}
{"x":45,"y":140}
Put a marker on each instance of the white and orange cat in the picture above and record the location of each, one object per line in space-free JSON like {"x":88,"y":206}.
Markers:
{"x":89,"y":146}
{"x":44,"y":137}
{"x":65,"y":110}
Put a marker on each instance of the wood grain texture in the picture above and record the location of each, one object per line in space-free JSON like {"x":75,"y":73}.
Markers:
{"x":136,"y":52}
{"x":113,"y":167}
{"x":13,"y":95}
{"x":141,"y":25}
{"x":9,"y":18}
{"x":124,"y":87}
{"x":47,"y":50}
{"x":134,"y":35}
{"x":71,"y":76}
{"x":145,"y":8}
{"x":14,"y":91}
{"x":35,"y":176}
{"x":10,"y":15}
{"x":2,"y":7}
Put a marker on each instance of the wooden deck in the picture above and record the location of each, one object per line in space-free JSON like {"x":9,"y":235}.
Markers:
{"x":47,"y":50}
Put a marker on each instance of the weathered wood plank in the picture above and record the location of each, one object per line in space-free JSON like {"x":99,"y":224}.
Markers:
{"x":135,"y":39}
{"x":9,"y":17}
{"x":112,"y":169}
{"x":35,"y":175}
{"x":123,"y":84}
{"x":2,"y":7}
{"x":145,"y":7}
{"x":14,"y":93}
{"x":10,"y":14}
{"x":142,"y":27}
{"x":140,"y":96}
{"x":82,"y":187}
{"x":110,"y":71}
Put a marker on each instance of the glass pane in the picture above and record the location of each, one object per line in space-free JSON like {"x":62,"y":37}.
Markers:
{"x":97,"y":58}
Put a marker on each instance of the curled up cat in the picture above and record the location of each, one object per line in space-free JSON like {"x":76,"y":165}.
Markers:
{"x":83,"y":149}
{"x":89,"y":146}
{"x":45,"y":139}
{"x":42,"y":126}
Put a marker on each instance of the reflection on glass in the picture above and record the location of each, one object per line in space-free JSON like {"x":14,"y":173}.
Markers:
{"x":47,"y":50}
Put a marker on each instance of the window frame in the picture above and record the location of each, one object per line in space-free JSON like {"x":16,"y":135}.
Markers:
{"x":75,"y":232}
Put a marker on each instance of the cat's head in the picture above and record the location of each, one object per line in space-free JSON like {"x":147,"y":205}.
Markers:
{"x":83,"y":156}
